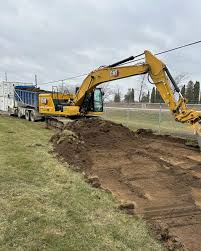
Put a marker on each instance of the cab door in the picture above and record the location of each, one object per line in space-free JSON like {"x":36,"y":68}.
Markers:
{"x":97,"y":100}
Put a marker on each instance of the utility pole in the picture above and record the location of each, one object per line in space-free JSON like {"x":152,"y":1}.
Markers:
{"x":36,"y":80}
{"x":141,"y":87}
{"x":6,"y":78}
{"x":62,"y":86}
{"x":133,"y":95}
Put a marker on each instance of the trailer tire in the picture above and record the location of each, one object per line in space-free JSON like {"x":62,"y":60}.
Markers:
{"x":32,"y":116}
{"x":27,"y":115}
{"x":19,"y":114}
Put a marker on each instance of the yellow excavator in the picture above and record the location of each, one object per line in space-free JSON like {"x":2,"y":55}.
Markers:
{"x":88,"y":99}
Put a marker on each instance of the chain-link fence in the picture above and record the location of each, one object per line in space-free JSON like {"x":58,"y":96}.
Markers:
{"x":159,"y":120}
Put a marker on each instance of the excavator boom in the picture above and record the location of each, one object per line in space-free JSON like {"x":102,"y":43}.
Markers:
{"x":88,"y":99}
{"x":161,"y":78}
{"x":107,"y":74}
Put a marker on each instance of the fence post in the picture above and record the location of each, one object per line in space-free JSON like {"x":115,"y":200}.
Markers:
{"x":127,"y":116}
{"x":159,"y":119}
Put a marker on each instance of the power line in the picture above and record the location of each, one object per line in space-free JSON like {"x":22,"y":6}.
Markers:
{"x":134,"y":60}
{"x":179,"y":47}
{"x":166,"y":51}
{"x":51,"y":82}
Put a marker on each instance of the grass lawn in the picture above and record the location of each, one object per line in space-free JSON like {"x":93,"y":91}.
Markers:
{"x":134,"y":119}
{"x":44,"y":205}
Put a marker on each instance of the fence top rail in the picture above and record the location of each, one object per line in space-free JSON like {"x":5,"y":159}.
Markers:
{"x":137,"y":103}
{"x":133,"y":108}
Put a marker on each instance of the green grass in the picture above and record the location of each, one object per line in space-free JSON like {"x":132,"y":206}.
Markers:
{"x":44,"y":205}
{"x":135,"y":119}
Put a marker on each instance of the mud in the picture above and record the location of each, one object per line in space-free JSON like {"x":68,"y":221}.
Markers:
{"x":35,"y":89}
{"x":159,"y":174}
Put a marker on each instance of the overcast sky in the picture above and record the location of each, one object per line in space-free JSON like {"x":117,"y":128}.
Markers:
{"x":56,"y":39}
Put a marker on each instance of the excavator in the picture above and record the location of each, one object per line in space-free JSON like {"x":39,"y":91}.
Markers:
{"x":88,"y":99}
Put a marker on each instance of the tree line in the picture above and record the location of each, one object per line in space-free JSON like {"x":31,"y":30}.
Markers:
{"x":191,"y":91}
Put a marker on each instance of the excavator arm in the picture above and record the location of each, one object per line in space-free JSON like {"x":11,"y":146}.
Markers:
{"x":169,"y":91}
{"x":161,"y":78}
{"x":107,"y":74}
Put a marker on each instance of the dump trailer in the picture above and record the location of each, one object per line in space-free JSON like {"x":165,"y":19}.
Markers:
{"x":26,"y":102}
{"x":7,"y":91}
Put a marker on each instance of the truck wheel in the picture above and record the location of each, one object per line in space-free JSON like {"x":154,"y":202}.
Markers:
{"x":10,"y":112}
{"x":32,"y":116}
{"x":27,"y":115}
{"x":19,"y":114}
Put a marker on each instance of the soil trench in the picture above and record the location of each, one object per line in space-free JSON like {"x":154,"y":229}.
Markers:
{"x":160,"y":174}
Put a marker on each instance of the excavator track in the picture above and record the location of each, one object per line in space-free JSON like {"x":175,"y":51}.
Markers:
{"x":57,"y":123}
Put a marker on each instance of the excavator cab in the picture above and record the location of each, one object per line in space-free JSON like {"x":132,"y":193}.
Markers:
{"x":93,"y":102}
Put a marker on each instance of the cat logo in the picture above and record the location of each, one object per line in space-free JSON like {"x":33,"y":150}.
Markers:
{"x":114,"y":73}
{"x":44,"y":101}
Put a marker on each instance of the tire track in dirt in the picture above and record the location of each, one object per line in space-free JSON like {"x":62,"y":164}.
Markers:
{"x":161,"y":175}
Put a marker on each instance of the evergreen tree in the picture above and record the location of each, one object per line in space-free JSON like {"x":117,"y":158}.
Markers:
{"x":189,"y":91}
{"x":130,"y":96}
{"x":158,"y":97}
{"x":148,"y":96}
{"x":153,"y":95}
{"x":145,"y":97}
{"x":183,"y":90}
{"x":117,"y":97}
{"x":196,"y":92}
{"x":126,"y":98}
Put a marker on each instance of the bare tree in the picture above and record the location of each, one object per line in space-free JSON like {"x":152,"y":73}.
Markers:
{"x":65,"y":87}
{"x":143,"y":86}
{"x":108,"y":91}
{"x":62,"y":88}
{"x":181,"y":78}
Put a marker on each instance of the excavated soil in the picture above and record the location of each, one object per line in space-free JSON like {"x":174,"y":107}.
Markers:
{"x":35,"y":89}
{"x":159,"y":174}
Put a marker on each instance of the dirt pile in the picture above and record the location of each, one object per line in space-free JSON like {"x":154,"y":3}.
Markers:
{"x":36,"y":89}
{"x":90,"y":134}
{"x":159,"y":174}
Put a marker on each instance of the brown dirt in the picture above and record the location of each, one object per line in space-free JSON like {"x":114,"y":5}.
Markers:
{"x":159,"y":174}
{"x":35,"y":89}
